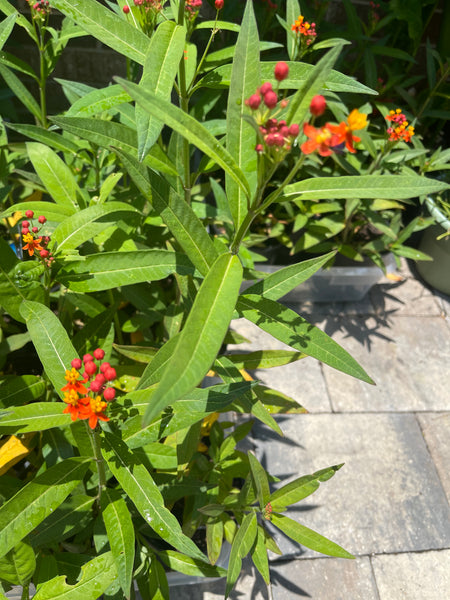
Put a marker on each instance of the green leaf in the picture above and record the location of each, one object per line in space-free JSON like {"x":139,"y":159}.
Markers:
{"x":214,"y":539}
{"x":120,"y":530}
{"x":259,"y":554}
{"x":245,"y":78}
{"x":293,"y":11}
{"x":51,"y":341}
{"x":38,"y":499}
{"x":88,"y":223}
{"x":18,"y":565}
{"x":113,"y":269}
{"x":242,"y":543}
{"x":98,"y":101}
{"x":50,"y":138}
{"x":189,"y":566}
{"x":18,"y":282}
{"x":107,"y":27}
{"x":20,"y":389}
{"x":20,"y":91}
{"x":290,"y":328}
{"x":73,"y":515}
{"x":203,"y":333}
{"x":264,"y":359}
{"x":6,"y":26}
{"x":54,"y":174}
{"x":298,"y":74}
{"x":53,"y":212}
{"x":260,"y":480}
{"x":160,"y":68}
{"x":138,"y":484}
{"x":284,"y":280}
{"x":307,"y":537}
{"x":299,"y":105}
{"x":36,"y":416}
{"x":391,"y":187}
{"x":96,"y":577}
{"x":8,"y":9}
{"x":188,"y":127}
{"x":100,"y":132}
{"x":300,"y":488}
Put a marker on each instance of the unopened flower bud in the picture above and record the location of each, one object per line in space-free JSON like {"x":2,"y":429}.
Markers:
{"x":87,"y":358}
{"x":90,"y":367}
{"x":126,"y":9}
{"x":76,"y":363}
{"x":110,"y":374}
{"x":110,"y":393}
{"x":104,"y":366}
{"x":42,"y":219}
{"x":259,"y":148}
{"x":25,"y":224}
{"x":29,"y":214}
{"x":266,"y":87}
{"x":317,"y":106}
{"x":254,"y":101}
{"x":294,"y":130}
{"x":95,"y":386}
{"x":270,"y":99}
{"x":100,"y":378}
{"x":219,"y":4}
{"x":99,"y":354}
{"x":34,"y":229}
{"x":44,"y":253}
{"x":281,"y":71}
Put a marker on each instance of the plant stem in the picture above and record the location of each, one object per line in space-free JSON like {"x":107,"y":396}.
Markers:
{"x":26,"y":592}
{"x":99,"y":461}
{"x":184,"y":105}
{"x":116,"y":318}
{"x":205,"y":53}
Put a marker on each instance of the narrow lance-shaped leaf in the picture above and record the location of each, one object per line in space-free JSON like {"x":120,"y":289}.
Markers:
{"x":242,"y":543}
{"x":188,"y":127}
{"x":284,"y":280}
{"x":202,"y":336}
{"x":307,"y":537}
{"x":98,"y":101}
{"x":299,"y":105}
{"x":51,"y":341}
{"x":260,"y":480}
{"x":18,"y":565}
{"x":144,"y":493}
{"x":38,"y":499}
{"x":20,"y":91}
{"x":114,"y":269}
{"x":245,"y":79}
{"x":54,"y":174}
{"x":160,"y":68}
{"x":106,"y":26}
{"x":120,"y":530}
{"x":37,"y":416}
{"x":259,"y":555}
{"x":6,"y":26}
{"x":290,"y":328}
{"x":392,"y":187}
{"x":293,"y":11}
{"x":96,"y":577}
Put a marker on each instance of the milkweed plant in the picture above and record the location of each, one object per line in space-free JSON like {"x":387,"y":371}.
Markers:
{"x":124,"y":247}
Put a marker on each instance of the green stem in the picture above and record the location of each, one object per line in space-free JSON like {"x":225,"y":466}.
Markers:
{"x":184,"y":105}
{"x":26,"y":592}
{"x":116,"y":318}
{"x":99,"y":460}
{"x":433,"y":91}
{"x":205,"y":53}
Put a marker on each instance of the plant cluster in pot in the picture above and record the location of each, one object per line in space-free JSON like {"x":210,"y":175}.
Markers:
{"x":435,"y":243}
{"x":113,"y":455}
{"x":368,"y":233}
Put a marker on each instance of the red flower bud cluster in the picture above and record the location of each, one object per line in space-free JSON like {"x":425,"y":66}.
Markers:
{"x":192,"y":7}
{"x":219,"y":4}
{"x":39,"y":8}
{"x":84,"y":397}
{"x":400,"y":129}
{"x":147,"y":5}
{"x":34,"y":242}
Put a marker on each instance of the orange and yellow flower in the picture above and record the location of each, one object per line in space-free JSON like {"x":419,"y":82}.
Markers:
{"x":94,"y":411}
{"x":343,"y":133}
{"x":32,"y":244}
{"x":400,"y":129}
{"x":320,"y":139}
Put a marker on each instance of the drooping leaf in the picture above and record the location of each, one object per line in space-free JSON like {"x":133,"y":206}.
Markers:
{"x":20,"y":91}
{"x":242,"y":543}
{"x":260,"y":480}
{"x":96,"y":577}
{"x":137,"y":482}
{"x":307,"y":537}
{"x":120,"y":530}
{"x":202,"y":335}
{"x":6,"y":26}
{"x":291,"y":329}
{"x":37,"y":416}
{"x":38,"y":499}
{"x":189,"y":566}
{"x":18,"y":565}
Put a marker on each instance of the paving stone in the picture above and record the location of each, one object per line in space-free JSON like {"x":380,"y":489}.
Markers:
{"x":424,"y":576}
{"x":436,"y":431}
{"x":324,"y":579}
{"x":404,"y":298}
{"x":387,"y":497}
{"x":409,"y":360}
{"x":303,"y":380}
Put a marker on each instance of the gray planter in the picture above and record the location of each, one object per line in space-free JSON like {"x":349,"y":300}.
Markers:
{"x":336,"y":284}
{"x":436,"y":272}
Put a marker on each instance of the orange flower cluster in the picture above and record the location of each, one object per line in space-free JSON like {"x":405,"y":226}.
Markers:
{"x":400,"y":129}
{"x":32,"y":243}
{"x":330,"y":138}
{"x":305,"y":29}
{"x":87,"y":403}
